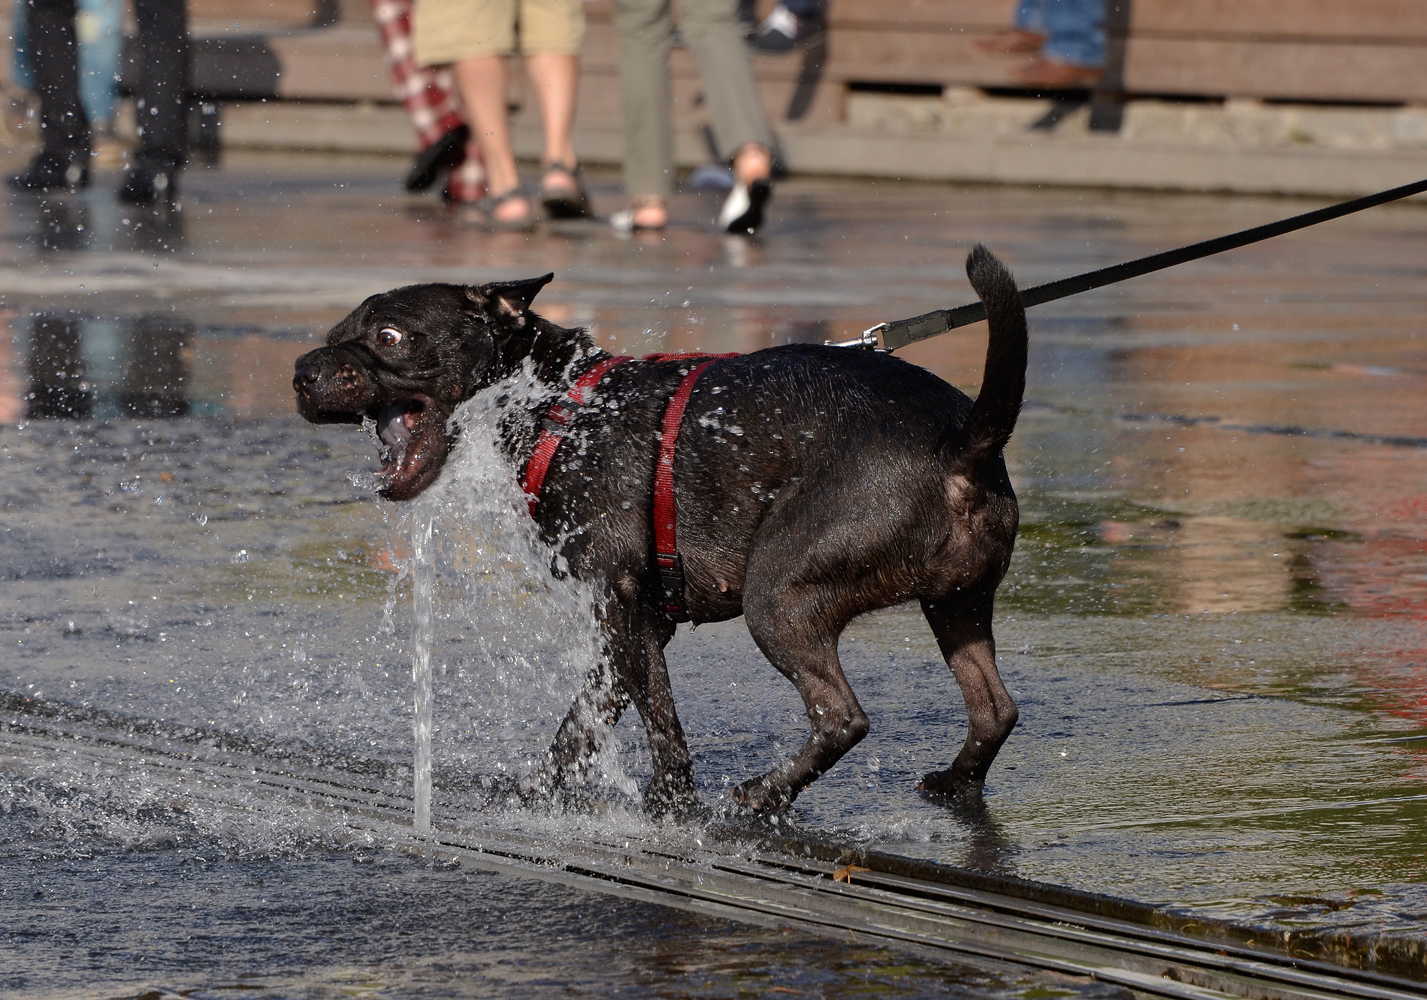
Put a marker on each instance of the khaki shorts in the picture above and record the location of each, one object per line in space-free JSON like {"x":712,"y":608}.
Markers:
{"x":447,"y":31}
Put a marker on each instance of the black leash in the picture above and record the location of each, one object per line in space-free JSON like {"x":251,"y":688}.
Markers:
{"x":900,"y":333}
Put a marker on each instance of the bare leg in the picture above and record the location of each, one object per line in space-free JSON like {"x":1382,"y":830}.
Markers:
{"x":555,"y":78}
{"x":752,"y":163}
{"x":963,"y":631}
{"x":482,"y":80}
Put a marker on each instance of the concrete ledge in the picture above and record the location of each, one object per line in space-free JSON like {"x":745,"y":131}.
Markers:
{"x":1021,"y":156}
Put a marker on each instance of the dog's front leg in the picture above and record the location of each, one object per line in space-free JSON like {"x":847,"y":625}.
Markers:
{"x":596,"y":710}
{"x":633,"y":671}
{"x":638,"y":634}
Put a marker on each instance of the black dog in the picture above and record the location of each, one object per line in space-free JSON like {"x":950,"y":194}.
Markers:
{"x":811,"y":485}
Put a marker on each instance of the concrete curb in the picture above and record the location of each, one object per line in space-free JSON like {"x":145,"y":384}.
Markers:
{"x":1016,"y":157}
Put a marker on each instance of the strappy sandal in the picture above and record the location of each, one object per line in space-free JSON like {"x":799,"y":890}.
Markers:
{"x":563,"y":202}
{"x":486,"y":208}
{"x":626,"y":220}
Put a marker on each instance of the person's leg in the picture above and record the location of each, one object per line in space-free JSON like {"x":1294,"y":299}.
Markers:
{"x":54,"y":61}
{"x":740,"y":124}
{"x":431,"y":102}
{"x":555,"y":78}
{"x":161,"y":103}
{"x":739,"y":121}
{"x":1076,"y":30}
{"x":644,"y":28}
{"x":482,"y":80}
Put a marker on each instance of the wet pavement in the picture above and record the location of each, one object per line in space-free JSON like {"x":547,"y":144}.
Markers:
{"x":1213,"y":624}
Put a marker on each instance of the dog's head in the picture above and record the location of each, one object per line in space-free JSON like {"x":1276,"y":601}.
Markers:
{"x":406,"y":359}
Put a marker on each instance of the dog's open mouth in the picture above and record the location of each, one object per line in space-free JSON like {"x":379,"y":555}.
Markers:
{"x":414,"y":443}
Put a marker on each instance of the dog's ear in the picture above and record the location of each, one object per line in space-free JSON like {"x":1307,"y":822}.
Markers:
{"x":512,"y":298}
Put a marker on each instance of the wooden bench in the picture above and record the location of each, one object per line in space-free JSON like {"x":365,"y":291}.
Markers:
{"x":1282,"y":50}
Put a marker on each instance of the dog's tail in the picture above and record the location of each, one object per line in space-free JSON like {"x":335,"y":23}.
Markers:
{"x":993,"y":416}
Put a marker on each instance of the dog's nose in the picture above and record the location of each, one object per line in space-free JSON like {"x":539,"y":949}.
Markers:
{"x":305,"y":378}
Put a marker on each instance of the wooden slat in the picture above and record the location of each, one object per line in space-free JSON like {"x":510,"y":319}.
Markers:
{"x":980,"y":16}
{"x":251,"y":13}
{"x":598,"y":101}
{"x":1324,"y":20}
{"x":1301,"y":71}
{"x":899,"y":56}
{"x":335,"y":64}
{"x":977,"y":16}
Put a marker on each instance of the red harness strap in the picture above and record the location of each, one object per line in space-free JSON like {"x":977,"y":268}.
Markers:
{"x":552,"y":429}
{"x":666,"y":550}
{"x":562,"y":414}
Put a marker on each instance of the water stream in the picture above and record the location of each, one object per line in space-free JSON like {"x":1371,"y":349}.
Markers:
{"x":423,"y":587}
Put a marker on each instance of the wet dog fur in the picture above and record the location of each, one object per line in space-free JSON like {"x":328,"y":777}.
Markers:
{"x":812,"y":485}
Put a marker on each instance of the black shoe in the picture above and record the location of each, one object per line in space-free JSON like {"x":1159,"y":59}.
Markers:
{"x":54,"y":171}
{"x":742,"y":212}
{"x":783,"y":31}
{"x":147,"y":183}
{"x":441,"y":155}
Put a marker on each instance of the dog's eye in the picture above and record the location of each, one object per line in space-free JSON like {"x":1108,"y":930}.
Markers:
{"x":390,"y":337}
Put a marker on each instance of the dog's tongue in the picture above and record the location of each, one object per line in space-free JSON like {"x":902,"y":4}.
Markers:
{"x":392,"y":429}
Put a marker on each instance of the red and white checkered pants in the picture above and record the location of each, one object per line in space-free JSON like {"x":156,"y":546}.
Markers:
{"x":430,"y":96}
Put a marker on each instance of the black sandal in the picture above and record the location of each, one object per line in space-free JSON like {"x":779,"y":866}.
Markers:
{"x":487,"y":206}
{"x":562,"y":203}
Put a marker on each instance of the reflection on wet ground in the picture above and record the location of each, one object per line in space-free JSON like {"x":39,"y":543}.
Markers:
{"x":1214,"y":622}
{"x":363,"y":923}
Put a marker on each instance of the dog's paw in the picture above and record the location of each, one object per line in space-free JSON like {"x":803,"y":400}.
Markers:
{"x":673,"y":797}
{"x":947,"y":788}
{"x":760,"y":797}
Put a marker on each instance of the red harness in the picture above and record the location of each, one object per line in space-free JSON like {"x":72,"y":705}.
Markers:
{"x":562,"y":415}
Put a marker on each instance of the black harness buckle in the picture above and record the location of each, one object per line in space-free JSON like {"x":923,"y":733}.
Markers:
{"x":671,"y":586}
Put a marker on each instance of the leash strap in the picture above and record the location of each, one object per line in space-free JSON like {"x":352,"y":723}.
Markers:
{"x":556,"y":423}
{"x":666,"y":551}
{"x":900,"y":333}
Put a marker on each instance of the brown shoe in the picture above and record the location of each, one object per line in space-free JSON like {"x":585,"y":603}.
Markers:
{"x":1012,"y":42}
{"x":1043,"y":73}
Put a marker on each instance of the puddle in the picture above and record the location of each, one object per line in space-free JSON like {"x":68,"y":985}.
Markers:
{"x":1213,"y":623}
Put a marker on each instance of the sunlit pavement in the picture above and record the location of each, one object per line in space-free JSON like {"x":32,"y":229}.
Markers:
{"x":1214,"y":622}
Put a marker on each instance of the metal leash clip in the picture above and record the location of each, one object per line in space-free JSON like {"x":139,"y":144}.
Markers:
{"x":869,"y":340}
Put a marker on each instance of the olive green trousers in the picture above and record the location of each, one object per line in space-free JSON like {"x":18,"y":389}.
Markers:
{"x":712,"y":34}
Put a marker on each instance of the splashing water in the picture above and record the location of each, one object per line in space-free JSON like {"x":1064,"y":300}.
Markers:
{"x":492,"y":600}
{"x":423,"y":585}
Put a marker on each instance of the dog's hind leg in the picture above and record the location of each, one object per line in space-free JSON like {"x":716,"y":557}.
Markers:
{"x":795,"y":618}
{"x":962,"y":625}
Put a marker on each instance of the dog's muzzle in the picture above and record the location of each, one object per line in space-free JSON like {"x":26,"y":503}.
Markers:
{"x":332,"y":388}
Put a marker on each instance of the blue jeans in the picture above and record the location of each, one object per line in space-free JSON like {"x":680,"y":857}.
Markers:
{"x":99,"y":27}
{"x":1075,"y":29}
{"x":806,"y":8}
